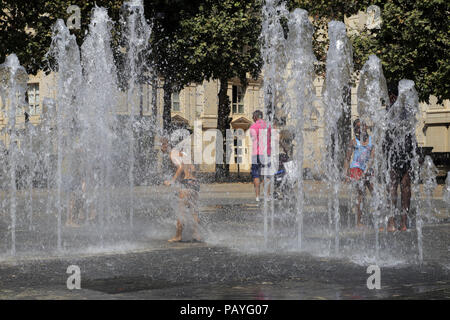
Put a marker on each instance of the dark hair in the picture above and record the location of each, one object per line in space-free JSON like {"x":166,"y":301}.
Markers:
{"x":355,"y":122}
{"x":257,"y":114}
{"x":166,"y":141}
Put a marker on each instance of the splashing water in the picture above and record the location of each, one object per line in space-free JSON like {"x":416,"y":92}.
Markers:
{"x":373,"y":97}
{"x":135,"y":38}
{"x":78,"y":152}
{"x":300,"y":102}
{"x":401,"y":153}
{"x":84,"y":155}
{"x":446,"y":195}
{"x":98,"y":117}
{"x":274,"y":57}
{"x":335,"y":97}
{"x":65,"y":51}
{"x":13,"y":83}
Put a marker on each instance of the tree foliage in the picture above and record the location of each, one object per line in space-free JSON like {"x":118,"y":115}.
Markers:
{"x":322,"y":12}
{"x":221,"y":42}
{"x":26,"y":26}
{"x":168,"y":56}
{"x":223,"y":39}
{"x":413,"y":42}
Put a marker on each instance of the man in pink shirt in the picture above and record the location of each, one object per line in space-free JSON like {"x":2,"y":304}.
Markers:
{"x":260,"y":134}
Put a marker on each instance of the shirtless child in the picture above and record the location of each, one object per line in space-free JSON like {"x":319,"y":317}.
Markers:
{"x":188,"y":192}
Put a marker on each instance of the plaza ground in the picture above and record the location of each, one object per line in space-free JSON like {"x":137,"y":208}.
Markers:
{"x":236,"y":261}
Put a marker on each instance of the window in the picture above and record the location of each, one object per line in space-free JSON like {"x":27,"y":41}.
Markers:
{"x":238,"y":147}
{"x":33,"y":98}
{"x":238,"y":100}
{"x":176,"y":101}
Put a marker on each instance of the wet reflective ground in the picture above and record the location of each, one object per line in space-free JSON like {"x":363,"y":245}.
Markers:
{"x":233,"y":263}
{"x":200,"y":271}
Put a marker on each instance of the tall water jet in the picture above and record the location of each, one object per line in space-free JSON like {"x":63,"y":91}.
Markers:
{"x":428,"y":175}
{"x":401,"y":153}
{"x":301,"y":95}
{"x":13,"y":84}
{"x":372,"y":93}
{"x":98,"y":116}
{"x":273,"y":52}
{"x":135,"y":38}
{"x":30,"y":164}
{"x":47,"y":133}
{"x":446,"y":193}
{"x":373,"y":98}
{"x":65,"y":52}
{"x":336,"y":95}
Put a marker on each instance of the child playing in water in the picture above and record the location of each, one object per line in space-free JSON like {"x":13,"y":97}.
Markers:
{"x":363,"y":151}
{"x":188,"y":192}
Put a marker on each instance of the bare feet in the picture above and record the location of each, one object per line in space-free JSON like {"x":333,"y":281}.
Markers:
{"x":197,"y":238}
{"x":391,"y":228}
{"x":391,"y":225}
{"x":72,"y":224}
{"x":360,"y":225}
{"x":175,"y":239}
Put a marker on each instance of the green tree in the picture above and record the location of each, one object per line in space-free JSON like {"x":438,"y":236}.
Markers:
{"x":24,"y":31}
{"x":322,"y":12}
{"x":413,"y":43}
{"x":221,"y":42}
{"x":26,"y":26}
{"x":169,"y":55}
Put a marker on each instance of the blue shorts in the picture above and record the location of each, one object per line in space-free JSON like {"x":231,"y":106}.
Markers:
{"x":257,"y":164}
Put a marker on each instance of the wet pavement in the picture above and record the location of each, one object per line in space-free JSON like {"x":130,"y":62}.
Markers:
{"x":236,"y":260}
{"x":201,"y":271}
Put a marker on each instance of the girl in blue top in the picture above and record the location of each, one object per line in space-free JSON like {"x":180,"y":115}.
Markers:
{"x":362,"y":150}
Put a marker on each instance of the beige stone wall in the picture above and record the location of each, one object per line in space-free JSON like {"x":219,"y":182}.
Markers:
{"x":433,"y":127}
